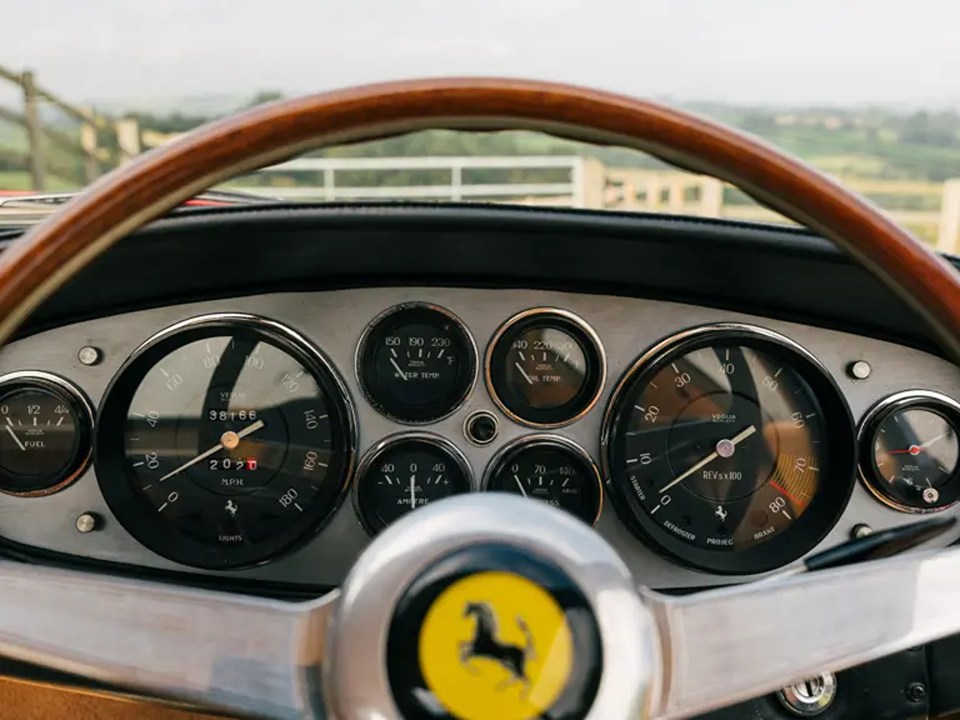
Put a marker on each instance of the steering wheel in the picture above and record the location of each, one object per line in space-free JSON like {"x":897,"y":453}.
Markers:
{"x":591,"y":643}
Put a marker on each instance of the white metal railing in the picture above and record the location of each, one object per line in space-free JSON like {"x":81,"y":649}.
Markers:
{"x":455,"y":189}
{"x":587,"y":183}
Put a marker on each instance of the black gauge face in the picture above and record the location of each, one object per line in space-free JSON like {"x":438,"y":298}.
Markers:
{"x":545,"y":368}
{"x":914,"y":457}
{"x":416,"y":363}
{"x":401,"y":475}
{"x":224,"y":443}
{"x":553,"y":471}
{"x":44,"y":436}
{"x":730,"y":450}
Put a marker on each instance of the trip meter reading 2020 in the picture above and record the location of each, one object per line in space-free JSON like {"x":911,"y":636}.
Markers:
{"x":730,"y":449}
{"x":224,"y":441}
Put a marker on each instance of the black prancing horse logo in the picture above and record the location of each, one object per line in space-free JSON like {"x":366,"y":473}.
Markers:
{"x":485,"y":643}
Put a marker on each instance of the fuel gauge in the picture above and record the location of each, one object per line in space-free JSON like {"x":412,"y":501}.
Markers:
{"x":45,"y":426}
{"x":912,"y":452}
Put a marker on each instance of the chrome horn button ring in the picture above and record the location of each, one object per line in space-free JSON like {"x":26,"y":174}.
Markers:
{"x":434,"y":578}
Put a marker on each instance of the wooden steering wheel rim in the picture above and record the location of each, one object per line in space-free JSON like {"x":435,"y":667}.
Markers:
{"x":43,"y":259}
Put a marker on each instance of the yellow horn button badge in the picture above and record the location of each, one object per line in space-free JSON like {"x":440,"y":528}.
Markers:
{"x":493,"y":632}
{"x":496,"y":644}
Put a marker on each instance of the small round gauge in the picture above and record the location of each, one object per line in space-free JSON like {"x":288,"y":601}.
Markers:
{"x":551,"y":469}
{"x":224,"y":441}
{"x":728,"y":447}
{"x":416,"y":363}
{"x":911,"y":452}
{"x":404,"y":473}
{"x":45,"y":426}
{"x":545,"y":367}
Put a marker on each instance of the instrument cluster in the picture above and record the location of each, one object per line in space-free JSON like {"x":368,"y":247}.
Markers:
{"x":228,"y":441}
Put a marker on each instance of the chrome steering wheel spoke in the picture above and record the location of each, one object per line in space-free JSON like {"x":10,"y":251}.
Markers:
{"x":724,"y":646}
{"x":465,"y":579}
{"x":243,"y":655}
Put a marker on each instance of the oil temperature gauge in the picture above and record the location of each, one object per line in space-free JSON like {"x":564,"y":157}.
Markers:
{"x":545,"y":367}
{"x":551,"y":469}
{"x":911,"y":451}
{"x":406,"y":472}
{"x":45,"y":426}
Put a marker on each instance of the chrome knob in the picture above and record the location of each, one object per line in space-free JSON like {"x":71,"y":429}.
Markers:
{"x":809,"y":697}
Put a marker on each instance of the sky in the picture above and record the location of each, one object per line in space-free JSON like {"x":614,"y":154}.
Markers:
{"x":771,"y":52}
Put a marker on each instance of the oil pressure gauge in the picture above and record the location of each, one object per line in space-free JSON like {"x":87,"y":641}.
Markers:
{"x":911,"y":452}
{"x":45,"y":426}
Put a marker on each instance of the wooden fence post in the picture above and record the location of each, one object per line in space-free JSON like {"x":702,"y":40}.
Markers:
{"x":88,"y":141}
{"x":31,"y":112}
{"x":594,"y":179}
{"x":948,"y":236}
{"x":128,"y":138}
{"x":711,"y":197}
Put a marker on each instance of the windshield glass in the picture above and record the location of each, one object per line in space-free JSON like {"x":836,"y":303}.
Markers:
{"x":865,"y":90}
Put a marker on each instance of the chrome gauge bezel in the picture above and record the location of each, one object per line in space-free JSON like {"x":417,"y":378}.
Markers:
{"x":866,"y":436}
{"x":110,"y":458}
{"x":400,"y":415}
{"x":82,"y":409}
{"x":805,"y":532}
{"x":391,"y":442}
{"x":525,"y":442}
{"x":582,"y":332}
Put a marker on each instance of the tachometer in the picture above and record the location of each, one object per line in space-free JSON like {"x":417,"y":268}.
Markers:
{"x":729,"y":448}
{"x":224,"y":441}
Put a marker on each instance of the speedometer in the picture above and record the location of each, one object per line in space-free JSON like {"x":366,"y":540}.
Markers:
{"x":729,"y":448}
{"x":224,"y":441}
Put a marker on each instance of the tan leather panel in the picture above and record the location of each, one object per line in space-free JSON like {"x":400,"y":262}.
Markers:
{"x":29,"y":701}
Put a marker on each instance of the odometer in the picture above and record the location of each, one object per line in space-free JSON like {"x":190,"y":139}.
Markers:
{"x":224,"y":441}
{"x":730,"y":449}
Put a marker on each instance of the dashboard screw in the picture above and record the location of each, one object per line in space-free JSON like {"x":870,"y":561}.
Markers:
{"x":916,"y":692}
{"x":859,"y":370}
{"x":87,"y":522}
{"x":89,"y":355}
{"x":861,"y":530}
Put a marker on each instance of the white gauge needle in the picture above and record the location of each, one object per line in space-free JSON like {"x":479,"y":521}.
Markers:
{"x":739,"y":437}
{"x":520,"y":485}
{"x":215,"y":449}
{"x":396,"y":367}
{"x":931,"y":441}
{"x":413,"y":492}
{"x":526,"y":377}
{"x":14,"y":436}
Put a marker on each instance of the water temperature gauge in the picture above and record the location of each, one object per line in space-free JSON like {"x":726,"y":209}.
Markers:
{"x":404,"y":473}
{"x":416,"y":363}
{"x":45,"y":426}
{"x":912,"y":453}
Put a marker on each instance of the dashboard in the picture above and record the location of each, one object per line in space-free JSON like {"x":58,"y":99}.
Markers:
{"x":261,"y":440}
